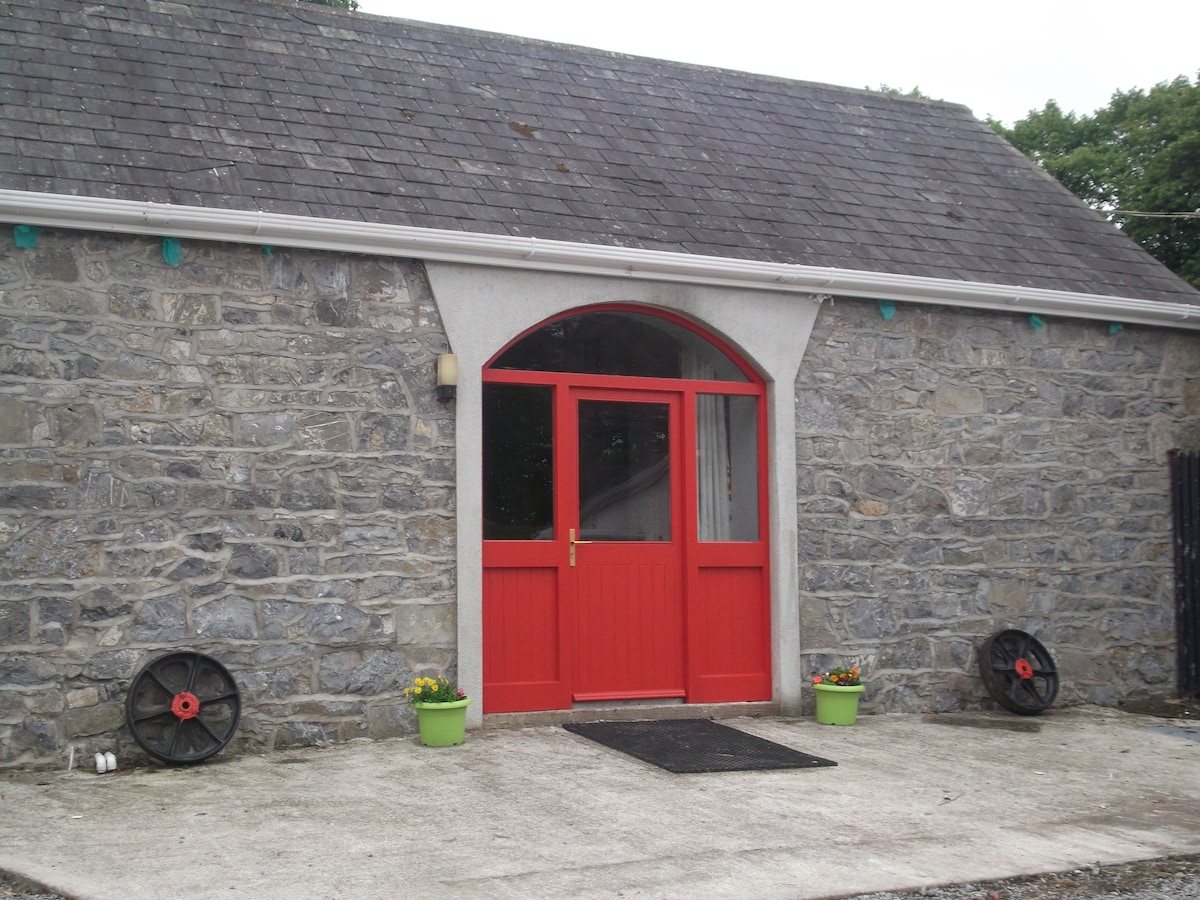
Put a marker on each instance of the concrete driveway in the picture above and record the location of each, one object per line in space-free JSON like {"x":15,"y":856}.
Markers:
{"x":538,"y":812}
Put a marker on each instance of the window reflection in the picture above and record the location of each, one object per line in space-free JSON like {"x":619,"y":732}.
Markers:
{"x":518,"y":462}
{"x":620,"y":343}
{"x":624,"y":471}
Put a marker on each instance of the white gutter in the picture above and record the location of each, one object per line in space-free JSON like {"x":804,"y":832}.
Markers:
{"x":239,"y":226}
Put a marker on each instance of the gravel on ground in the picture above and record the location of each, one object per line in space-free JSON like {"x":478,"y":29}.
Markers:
{"x":1170,"y":878}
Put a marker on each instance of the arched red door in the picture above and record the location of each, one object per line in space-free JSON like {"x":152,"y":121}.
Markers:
{"x":625,"y":544}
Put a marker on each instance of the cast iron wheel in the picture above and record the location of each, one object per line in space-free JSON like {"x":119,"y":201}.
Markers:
{"x":183,"y":707}
{"x":1018,"y":672}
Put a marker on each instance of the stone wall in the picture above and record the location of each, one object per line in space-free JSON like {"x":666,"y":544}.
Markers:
{"x":239,"y":454}
{"x":963,"y":472}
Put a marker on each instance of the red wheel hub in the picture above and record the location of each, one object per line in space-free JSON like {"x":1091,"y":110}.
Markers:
{"x":185,"y":705}
{"x":1024,"y":669}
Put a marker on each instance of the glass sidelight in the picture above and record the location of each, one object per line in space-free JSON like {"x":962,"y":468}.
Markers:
{"x":518,"y":462}
{"x":727,"y":467}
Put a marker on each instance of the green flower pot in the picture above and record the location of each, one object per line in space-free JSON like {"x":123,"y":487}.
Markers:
{"x":837,"y":704}
{"x":442,"y":724}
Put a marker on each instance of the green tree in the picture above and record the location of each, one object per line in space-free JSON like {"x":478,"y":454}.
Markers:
{"x":1137,"y":160}
{"x":900,"y":92}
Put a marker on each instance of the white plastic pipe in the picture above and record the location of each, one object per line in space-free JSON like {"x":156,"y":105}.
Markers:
{"x":106,"y":762}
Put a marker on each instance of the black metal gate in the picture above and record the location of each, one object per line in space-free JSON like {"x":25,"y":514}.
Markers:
{"x":1185,"y":503}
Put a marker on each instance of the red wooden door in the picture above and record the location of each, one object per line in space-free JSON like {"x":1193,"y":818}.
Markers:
{"x":623,"y":510}
{"x":625,"y":517}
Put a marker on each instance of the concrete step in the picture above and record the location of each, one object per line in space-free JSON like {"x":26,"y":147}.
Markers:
{"x":630,"y":710}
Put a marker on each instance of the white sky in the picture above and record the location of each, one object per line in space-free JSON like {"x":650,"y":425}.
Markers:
{"x":999,"y":57}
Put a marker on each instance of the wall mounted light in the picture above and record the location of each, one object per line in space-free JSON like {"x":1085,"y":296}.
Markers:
{"x":447,"y":376}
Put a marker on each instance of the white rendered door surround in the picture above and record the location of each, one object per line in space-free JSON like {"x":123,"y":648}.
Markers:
{"x":483,"y":308}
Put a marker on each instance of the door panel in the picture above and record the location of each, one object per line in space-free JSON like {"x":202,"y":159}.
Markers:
{"x":729,"y":618}
{"x":627,"y":560}
{"x":629,"y":625}
{"x":523,"y":632}
{"x":525,"y":624}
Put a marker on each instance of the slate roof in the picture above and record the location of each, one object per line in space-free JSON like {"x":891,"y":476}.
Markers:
{"x":298,"y":109}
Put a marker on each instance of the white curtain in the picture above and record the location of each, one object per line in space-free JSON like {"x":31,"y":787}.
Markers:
{"x":713,"y":470}
{"x":714,"y":474}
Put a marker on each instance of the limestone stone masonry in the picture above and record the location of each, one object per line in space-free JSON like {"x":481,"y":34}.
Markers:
{"x":240,"y":454}
{"x":962,"y":472}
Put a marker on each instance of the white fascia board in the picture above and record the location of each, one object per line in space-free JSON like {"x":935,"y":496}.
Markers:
{"x":243,"y":226}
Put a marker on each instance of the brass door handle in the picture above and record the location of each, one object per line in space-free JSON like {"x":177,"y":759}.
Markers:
{"x":573,"y":542}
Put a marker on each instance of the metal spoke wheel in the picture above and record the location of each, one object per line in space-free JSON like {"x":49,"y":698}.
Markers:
{"x":183,"y":707}
{"x":1018,"y":672}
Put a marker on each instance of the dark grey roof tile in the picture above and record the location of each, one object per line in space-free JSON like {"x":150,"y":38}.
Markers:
{"x":310,"y":111}
{"x":37,"y":168}
{"x":44,"y":184}
{"x":282,"y":158}
{"x":257,"y":172}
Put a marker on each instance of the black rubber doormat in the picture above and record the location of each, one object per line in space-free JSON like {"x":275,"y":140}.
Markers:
{"x":687,"y":746}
